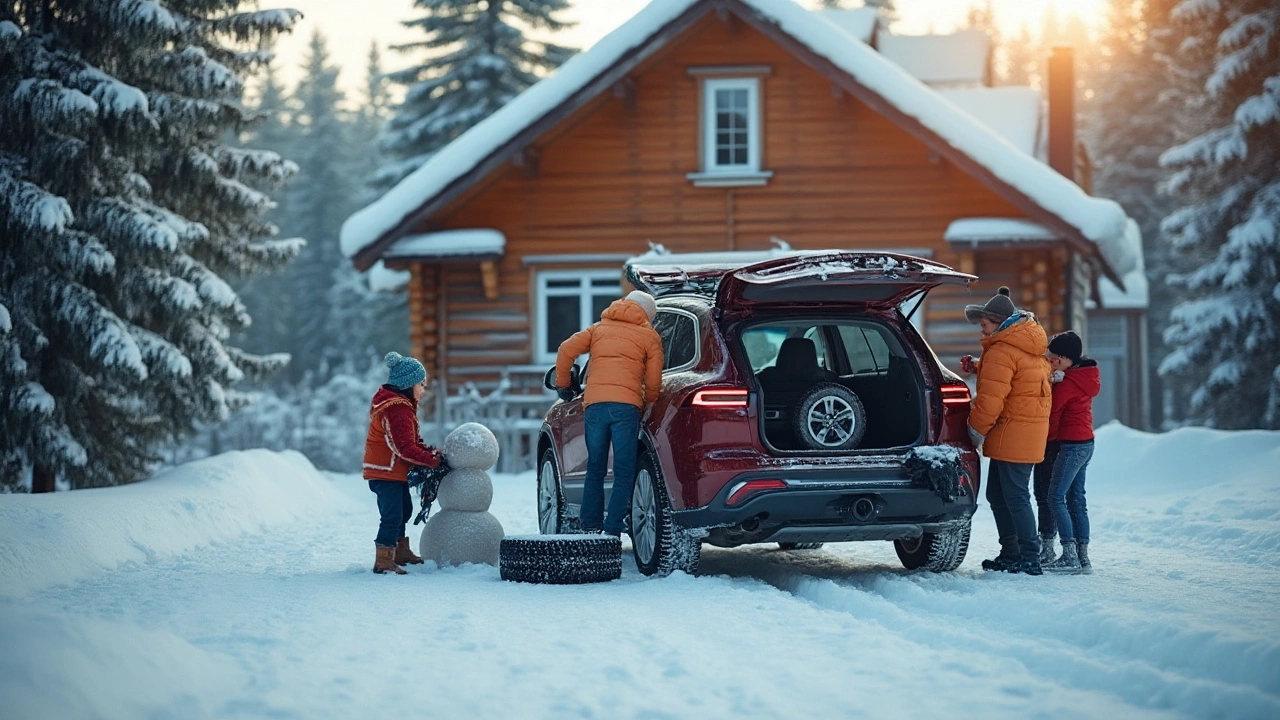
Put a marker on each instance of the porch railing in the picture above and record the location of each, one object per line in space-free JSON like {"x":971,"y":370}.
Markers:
{"x":513,"y":409}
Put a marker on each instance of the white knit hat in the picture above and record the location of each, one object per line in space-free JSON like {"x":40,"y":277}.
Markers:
{"x":645,"y":301}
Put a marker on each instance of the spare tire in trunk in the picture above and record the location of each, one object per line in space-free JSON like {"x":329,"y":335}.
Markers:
{"x":829,"y":417}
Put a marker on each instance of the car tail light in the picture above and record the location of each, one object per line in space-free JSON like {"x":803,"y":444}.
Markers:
{"x":721,"y":397}
{"x":955,"y":395}
{"x":745,"y":489}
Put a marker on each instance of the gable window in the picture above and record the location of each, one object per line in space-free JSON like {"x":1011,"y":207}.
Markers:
{"x":731,"y":133}
{"x":568,"y":301}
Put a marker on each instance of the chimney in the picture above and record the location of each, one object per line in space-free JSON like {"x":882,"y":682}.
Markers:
{"x":1062,"y":112}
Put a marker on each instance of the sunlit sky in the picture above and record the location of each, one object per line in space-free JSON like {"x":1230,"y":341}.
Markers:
{"x":351,"y":26}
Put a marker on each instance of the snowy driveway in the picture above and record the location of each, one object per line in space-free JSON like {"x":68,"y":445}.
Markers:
{"x":282,"y":618}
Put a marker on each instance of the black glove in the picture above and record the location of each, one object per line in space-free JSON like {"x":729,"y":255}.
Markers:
{"x":565,"y":394}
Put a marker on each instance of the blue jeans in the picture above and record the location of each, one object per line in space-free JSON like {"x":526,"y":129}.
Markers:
{"x":1066,"y":491}
{"x":1009,"y":494}
{"x":395,"y":506}
{"x":619,"y":422}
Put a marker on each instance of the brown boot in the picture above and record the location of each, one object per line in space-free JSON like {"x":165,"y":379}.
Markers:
{"x":385,"y":562}
{"x":405,"y":556}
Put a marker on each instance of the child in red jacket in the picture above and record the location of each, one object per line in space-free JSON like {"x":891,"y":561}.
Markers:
{"x":1077,"y":383}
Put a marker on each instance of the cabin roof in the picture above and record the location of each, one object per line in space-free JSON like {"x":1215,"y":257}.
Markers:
{"x":887,"y":87}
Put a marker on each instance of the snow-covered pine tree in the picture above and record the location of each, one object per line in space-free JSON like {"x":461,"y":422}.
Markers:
{"x":1227,"y":337}
{"x":1021,"y":60}
{"x":1127,"y":130}
{"x":479,"y":59}
{"x":120,"y":208}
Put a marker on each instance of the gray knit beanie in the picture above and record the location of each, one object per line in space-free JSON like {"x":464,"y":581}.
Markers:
{"x":645,"y":301}
{"x":998,"y":309}
{"x":405,"y":372}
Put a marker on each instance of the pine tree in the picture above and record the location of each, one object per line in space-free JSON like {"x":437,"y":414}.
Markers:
{"x":1127,"y":130}
{"x":1227,"y":336}
{"x":121,"y":208}
{"x":1021,"y":60}
{"x":480,"y":59}
{"x":983,"y":17}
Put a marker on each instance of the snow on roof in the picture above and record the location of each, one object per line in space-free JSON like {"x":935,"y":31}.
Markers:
{"x":1100,"y":221}
{"x":449,"y":243}
{"x":1136,"y":293}
{"x":384,"y":279}
{"x":954,"y":59}
{"x":858,"y":22}
{"x":1014,"y":113}
{"x":987,"y":229}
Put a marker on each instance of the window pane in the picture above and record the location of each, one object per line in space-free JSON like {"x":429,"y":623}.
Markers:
{"x":762,"y":346}
{"x":723,"y":156}
{"x":599,"y":304}
{"x":664,"y":323}
{"x":739,"y":156}
{"x":563,"y":319}
{"x":606,"y":283}
{"x":563,"y":282}
{"x":684,"y":343}
{"x":866,"y":348}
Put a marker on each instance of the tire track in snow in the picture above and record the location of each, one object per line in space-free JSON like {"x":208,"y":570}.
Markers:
{"x":1011,"y":617}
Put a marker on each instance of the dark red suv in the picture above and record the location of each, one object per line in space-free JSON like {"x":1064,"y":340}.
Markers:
{"x":798,"y":406}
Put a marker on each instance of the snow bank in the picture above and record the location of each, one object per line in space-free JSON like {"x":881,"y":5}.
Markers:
{"x":55,"y":539}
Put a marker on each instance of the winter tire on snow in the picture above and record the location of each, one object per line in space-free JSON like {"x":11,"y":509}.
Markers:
{"x":560,"y":559}
{"x":660,"y":547}
{"x":941,"y":552}
{"x":799,"y":545}
{"x":551,"y":515}
{"x":829,"y":417}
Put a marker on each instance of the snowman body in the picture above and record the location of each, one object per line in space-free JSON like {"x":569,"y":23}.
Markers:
{"x":464,"y":531}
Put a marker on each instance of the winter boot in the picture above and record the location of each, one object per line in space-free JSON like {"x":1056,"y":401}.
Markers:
{"x":1082,"y":552}
{"x":1007,"y":557}
{"x":386,"y":562}
{"x":1069,"y":562}
{"x":405,"y":556}
{"x":1026,"y":566}
{"x":1046,"y":549}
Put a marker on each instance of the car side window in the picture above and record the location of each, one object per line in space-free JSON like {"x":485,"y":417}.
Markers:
{"x":866,"y":349}
{"x":664,"y":323}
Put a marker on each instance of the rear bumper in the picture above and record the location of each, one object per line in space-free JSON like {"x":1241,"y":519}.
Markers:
{"x":828,"y":506}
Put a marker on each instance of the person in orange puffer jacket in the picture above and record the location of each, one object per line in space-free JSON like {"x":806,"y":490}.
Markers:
{"x":1009,"y":423}
{"x":1071,"y":427}
{"x":623,"y":377}
{"x":392,"y":447}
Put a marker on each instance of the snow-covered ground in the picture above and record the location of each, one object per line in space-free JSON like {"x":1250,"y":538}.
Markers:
{"x":239,"y":587}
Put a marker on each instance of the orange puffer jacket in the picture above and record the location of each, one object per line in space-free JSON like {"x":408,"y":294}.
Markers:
{"x":1014,"y":396}
{"x":626,"y":357}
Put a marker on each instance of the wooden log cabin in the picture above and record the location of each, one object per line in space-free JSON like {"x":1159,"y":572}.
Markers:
{"x":714,"y":125}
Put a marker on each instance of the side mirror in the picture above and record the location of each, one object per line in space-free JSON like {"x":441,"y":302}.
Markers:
{"x":549,"y":380}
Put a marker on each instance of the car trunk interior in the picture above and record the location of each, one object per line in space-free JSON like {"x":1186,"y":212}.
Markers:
{"x":796,"y":362}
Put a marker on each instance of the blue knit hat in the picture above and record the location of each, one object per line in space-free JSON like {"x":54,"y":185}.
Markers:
{"x":405,"y":372}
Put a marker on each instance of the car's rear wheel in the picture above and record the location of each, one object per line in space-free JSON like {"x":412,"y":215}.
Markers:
{"x":799,"y":545}
{"x":829,"y":417}
{"x":935,"y":552}
{"x":551,"y":520}
{"x":660,"y":547}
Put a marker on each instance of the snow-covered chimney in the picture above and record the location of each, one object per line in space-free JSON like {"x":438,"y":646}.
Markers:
{"x":1062,"y":112}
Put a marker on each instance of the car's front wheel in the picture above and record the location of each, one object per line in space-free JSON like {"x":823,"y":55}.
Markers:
{"x":551,"y":520}
{"x":660,"y":547}
{"x":935,"y":552}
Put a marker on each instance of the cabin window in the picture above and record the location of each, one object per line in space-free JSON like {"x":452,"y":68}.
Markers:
{"x":731,"y":133}
{"x":568,"y":301}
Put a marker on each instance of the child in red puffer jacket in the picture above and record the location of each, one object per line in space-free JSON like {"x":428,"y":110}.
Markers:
{"x":1076,"y":384}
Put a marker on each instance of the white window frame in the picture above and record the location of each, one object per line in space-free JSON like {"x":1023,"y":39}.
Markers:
{"x":713,"y":173}
{"x":585,"y":294}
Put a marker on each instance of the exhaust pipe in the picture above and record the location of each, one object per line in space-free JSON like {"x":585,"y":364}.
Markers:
{"x":864,"y":510}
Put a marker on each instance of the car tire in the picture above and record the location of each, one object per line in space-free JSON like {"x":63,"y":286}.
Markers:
{"x":935,"y":552}
{"x":829,"y":417}
{"x":551,"y":510}
{"x":799,"y":545}
{"x":660,"y":547}
{"x":560,"y":559}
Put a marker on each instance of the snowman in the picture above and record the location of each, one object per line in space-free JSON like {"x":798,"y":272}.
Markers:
{"x":464,"y":531}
